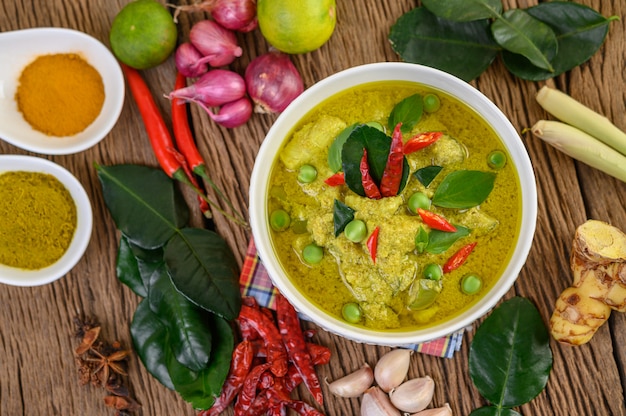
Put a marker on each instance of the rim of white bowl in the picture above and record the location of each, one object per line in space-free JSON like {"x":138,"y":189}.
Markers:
{"x":391,"y":71}
{"x":49,"y":40}
{"x":84,"y":223}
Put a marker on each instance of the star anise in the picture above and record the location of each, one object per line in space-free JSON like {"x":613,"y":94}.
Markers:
{"x":107,"y":363}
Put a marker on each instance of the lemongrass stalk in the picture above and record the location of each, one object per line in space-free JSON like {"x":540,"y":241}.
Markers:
{"x":582,"y":146}
{"x":570,"y":111}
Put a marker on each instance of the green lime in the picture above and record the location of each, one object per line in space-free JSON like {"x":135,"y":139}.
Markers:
{"x":296,"y":26}
{"x":143,"y":34}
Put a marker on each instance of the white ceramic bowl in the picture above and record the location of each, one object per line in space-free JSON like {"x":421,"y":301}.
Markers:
{"x":389,"y":72}
{"x":19,"y":48}
{"x":80,"y":241}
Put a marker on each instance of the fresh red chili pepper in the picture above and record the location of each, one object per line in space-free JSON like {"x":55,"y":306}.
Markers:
{"x":336,"y":180}
{"x":372,"y":243}
{"x":458,"y":258}
{"x":159,"y":136}
{"x":435,"y":221}
{"x":421,"y":141}
{"x":392,"y":175}
{"x":262,"y":324}
{"x":369,"y":186}
{"x":239,"y":368}
{"x":289,"y":326}
{"x":248,"y":391}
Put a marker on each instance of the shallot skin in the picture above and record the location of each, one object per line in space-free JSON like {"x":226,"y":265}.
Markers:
{"x":233,"y":114}
{"x":239,"y":15}
{"x":214,"y":88}
{"x":216,"y":43}
{"x":189,"y":61}
{"x":273,"y":82}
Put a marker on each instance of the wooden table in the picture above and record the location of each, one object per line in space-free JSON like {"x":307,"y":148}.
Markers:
{"x":37,"y":369}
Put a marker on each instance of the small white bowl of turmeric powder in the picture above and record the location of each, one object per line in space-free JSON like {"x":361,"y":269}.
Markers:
{"x":61,"y":90}
{"x":45,"y":221}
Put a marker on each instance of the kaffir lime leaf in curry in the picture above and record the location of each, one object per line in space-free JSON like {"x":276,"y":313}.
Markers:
{"x":296,"y":26}
{"x":143,"y":34}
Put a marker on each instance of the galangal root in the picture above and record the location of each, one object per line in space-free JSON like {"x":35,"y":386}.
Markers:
{"x":598,"y":263}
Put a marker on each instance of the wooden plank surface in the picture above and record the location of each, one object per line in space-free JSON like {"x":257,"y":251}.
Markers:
{"x":37,"y":370}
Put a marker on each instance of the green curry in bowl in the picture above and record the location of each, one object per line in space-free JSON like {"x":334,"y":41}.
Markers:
{"x":393,"y":206}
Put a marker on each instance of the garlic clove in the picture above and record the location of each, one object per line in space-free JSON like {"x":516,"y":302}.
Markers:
{"x":376,"y":403}
{"x":392,"y":368}
{"x":444,"y":410}
{"x":413,"y":395}
{"x":354,"y":384}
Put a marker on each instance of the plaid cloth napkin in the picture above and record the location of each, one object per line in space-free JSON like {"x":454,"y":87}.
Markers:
{"x":255,"y":282}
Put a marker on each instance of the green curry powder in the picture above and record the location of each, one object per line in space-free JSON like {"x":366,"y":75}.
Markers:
{"x":37,"y":219}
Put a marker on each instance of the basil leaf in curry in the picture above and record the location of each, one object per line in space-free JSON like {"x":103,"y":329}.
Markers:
{"x":440,"y":241}
{"x":519,"y":32}
{"x":190,"y":339}
{"x":378,"y":145}
{"x":464,"y":189}
{"x":427,"y":174}
{"x":342,"y":215}
{"x":580,"y":31}
{"x":127,"y":269}
{"x":510,"y":358}
{"x":334,"y":151}
{"x":464,"y":10}
{"x":421,"y":239}
{"x":204,"y":269}
{"x":464,"y":49}
{"x":408,"y":112}
{"x":144,"y":203}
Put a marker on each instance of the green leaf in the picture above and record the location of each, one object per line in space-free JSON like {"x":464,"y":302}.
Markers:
{"x":427,"y":174}
{"x":519,"y":32}
{"x":494,"y":411}
{"x":421,"y":239}
{"x":202,"y":387}
{"x":440,"y":241}
{"x":580,"y":31}
{"x":144,"y":203}
{"x":378,"y":145}
{"x":462,"y":49}
{"x":408,"y":112}
{"x":510,"y":357}
{"x":204,"y":269}
{"x":464,"y":10}
{"x":464,"y":189}
{"x":334,"y":151}
{"x":190,"y":339}
{"x":342,"y":215}
{"x":127,"y":268}
{"x":150,"y":339}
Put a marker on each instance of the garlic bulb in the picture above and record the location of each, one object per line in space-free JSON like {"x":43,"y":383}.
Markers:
{"x":413,"y":395}
{"x":354,"y":384}
{"x":392,"y":368}
{"x":376,"y":403}
{"x":445,"y":410}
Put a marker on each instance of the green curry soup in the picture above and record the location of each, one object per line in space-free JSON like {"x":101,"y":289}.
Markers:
{"x":386,"y":287}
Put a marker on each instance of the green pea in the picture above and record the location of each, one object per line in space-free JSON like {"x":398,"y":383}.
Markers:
{"x":307,"y":174}
{"x":418,"y":200}
{"x":496,"y":159}
{"x":431,"y":103}
{"x":351,"y":312}
{"x":433,"y":271}
{"x":471,"y":284}
{"x":279,"y":220}
{"x":313,"y":253}
{"x":355,"y":231}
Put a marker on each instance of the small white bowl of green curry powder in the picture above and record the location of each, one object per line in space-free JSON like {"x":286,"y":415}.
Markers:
{"x":45,"y":221}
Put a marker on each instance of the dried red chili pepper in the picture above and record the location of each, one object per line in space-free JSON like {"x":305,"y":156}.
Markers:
{"x":392,"y":175}
{"x":335,"y":180}
{"x":303,"y":408}
{"x":421,"y":141}
{"x":262,"y":324}
{"x":259,"y":405}
{"x":372,"y":243}
{"x":435,"y":221}
{"x":239,"y":369}
{"x":319,"y":353}
{"x":295,"y":343}
{"x":458,"y":258}
{"x":248,"y":390}
{"x":369,"y":186}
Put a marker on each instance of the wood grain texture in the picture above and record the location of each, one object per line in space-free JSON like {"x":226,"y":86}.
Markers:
{"x":37,"y":369}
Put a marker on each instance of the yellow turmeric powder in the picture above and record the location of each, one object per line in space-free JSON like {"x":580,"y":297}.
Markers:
{"x":60,"y":94}
{"x":37,"y":219}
